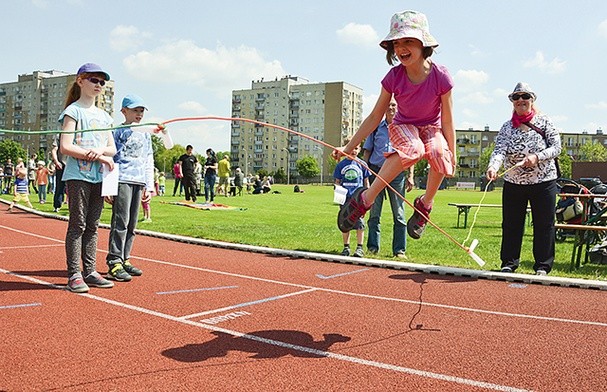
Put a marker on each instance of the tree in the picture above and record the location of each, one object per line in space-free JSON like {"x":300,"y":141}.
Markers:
{"x":485,"y":156}
{"x":593,"y":152}
{"x":280,"y":174}
{"x":11,"y":149}
{"x":307,"y":167}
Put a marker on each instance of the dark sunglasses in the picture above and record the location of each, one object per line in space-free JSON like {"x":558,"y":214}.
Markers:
{"x":101,"y":82}
{"x":514,"y":97}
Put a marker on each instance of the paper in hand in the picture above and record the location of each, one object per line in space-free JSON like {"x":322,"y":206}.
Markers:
{"x":109,"y":187}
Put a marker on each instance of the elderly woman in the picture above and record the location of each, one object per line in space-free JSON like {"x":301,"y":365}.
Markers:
{"x":526,"y":146}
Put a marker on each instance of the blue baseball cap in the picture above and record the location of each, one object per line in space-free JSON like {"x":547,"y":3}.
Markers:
{"x":133,"y":101}
{"x":93,"y":68}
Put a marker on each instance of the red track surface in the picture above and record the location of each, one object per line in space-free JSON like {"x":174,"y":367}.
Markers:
{"x":289,"y":325}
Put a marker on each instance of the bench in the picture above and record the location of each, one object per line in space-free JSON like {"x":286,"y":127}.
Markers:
{"x":465,"y":185}
{"x":581,"y":238}
{"x":465,"y":209}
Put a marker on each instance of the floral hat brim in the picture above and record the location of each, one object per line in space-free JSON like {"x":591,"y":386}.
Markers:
{"x":410,"y":24}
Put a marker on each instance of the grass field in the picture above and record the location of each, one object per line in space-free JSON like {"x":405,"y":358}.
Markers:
{"x":307,"y":221}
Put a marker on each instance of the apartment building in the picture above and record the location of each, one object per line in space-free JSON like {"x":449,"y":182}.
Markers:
{"x":34,"y":103}
{"x":328,"y":112}
{"x":472,"y":143}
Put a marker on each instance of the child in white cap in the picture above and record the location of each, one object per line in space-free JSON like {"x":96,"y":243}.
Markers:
{"x":422,"y":127}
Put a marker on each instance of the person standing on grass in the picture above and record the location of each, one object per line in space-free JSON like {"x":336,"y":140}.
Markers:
{"x":223,"y":172}
{"x":376,"y":146}
{"x":423,"y":124}
{"x":352,"y":175}
{"x":60,"y":160}
{"x":529,"y":139}
{"x":42,"y":175}
{"x":188,"y":162}
{"x":210,"y":173}
{"x":135,"y":158}
{"x":178,"y":175}
{"x":88,"y":154}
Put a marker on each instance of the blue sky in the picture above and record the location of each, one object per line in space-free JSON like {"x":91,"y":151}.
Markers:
{"x":185,"y":57}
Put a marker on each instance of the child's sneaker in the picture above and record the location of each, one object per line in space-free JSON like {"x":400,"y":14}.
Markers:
{"x":118,"y":273}
{"x":131,"y":269}
{"x":96,"y":280}
{"x":417,"y":223}
{"x":76,"y":284}
{"x":346,"y":251}
{"x":359,"y":252}
{"x":352,"y":211}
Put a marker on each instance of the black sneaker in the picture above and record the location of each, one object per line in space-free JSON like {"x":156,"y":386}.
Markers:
{"x":346,"y":251}
{"x":352,"y":211}
{"x":118,"y":273}
{"x":359,"y":252}
{"x":131,"y":269}
{"x":417,"y":223}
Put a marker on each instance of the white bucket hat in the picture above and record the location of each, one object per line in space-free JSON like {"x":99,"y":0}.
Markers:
{"x":409,"y":24}
{"x":521,"y":88}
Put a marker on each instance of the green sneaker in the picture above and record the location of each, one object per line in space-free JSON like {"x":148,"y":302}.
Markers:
{"x":118,"y":273}
{"x":76,"y":284}
{"x":131,"y":269}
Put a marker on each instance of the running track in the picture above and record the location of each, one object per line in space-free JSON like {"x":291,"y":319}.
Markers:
{"x":217,"y":319}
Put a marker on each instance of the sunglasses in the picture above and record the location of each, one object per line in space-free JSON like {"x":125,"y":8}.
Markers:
{"x":514,"y":97}
{"x":101,"y":82}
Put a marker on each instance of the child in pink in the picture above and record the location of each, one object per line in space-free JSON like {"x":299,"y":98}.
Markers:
{"x":422,"y":127}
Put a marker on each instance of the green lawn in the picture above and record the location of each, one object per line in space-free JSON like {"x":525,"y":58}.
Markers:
{"x":307,"y":221}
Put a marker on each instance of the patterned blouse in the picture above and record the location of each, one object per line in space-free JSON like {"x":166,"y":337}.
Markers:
{"x":512,"y":145}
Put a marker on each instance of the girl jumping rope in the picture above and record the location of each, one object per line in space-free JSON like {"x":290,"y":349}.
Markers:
{"x":86,"y":152}
{"x":422,"y":127}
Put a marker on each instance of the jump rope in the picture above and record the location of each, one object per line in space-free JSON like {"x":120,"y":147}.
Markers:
{"x":160,"y":130}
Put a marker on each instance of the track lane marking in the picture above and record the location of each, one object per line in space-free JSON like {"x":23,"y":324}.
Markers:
{"x":20,"y":305}
{"x":196,"y":290}
{"x":415,"y":302}
{"x":278,"y":343}
{"x":321,"y":276}
{"x":250,"y":303}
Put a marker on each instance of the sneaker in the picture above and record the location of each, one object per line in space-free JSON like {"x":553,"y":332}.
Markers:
{"x":118,"y":273}
{"x":96,"y":280}
{"x":76,"y":284}
{"x":417,"y":223}
{"x":507,"y":269}
{"x":346,"y":251}
{"x":401,"y":255}
{"x":373,"y":251}
{"x":541,"y":273}
{"x":131,"y":269}
{"x":359,"y":252}
{"x":352,"y":211}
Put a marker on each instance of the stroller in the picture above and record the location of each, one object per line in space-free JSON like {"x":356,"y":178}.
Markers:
{"x":569,"y":209}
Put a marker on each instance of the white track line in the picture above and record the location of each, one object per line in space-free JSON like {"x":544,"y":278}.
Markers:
{"x":277,"y":343}
{"x":415,"y":302}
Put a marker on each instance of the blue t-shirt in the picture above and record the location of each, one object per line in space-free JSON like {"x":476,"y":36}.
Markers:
{"x":378,"y":142}
{"x":21,"y":185}
{"x":351,"y":174}
{"x":86,"y":118}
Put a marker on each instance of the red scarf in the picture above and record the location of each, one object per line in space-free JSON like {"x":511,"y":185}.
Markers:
{"x":517,"y":120}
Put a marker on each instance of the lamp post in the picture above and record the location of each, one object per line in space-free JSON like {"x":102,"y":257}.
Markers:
{"x":318,"y":148}
{"x":288,"y":171}
{"x":246,"y":162}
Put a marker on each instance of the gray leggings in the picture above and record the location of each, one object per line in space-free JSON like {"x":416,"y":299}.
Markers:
{"x":85,"y":205}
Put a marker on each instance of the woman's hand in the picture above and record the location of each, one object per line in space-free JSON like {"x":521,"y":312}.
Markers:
{"x":491,"y":174}
{"x":530,"y":160}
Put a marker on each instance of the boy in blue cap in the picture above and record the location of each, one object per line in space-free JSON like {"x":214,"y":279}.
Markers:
{"x":135,"y":158}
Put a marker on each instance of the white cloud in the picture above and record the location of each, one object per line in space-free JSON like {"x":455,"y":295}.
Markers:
{"x":193,"y":107}
{"x":220,"y":70}
{"x":603,"y":29}
{"x":602,"y":105}
{"x":470,"y":80}
{"x":358,"y":34}
{"x":477,"y":98}
{"x":554,"y":66}
{"x":125,"y":38}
